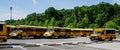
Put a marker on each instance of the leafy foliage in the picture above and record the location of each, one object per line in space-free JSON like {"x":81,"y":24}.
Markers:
{"x":94,"y":16}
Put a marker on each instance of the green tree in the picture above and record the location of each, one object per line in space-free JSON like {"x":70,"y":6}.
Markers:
{"x":46,"y":23}
{"x":67,"y":21}
{"x":110,"y":24}
{"x":94,"y":16}
{"x":73,"y":24}
{"x":94,"y":26}
{"x":84,"y":22}
{"x":52,"y":22}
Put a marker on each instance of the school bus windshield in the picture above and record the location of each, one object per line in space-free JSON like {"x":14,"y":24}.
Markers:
{"x":97,"y":32}
{"x":50,"y":30}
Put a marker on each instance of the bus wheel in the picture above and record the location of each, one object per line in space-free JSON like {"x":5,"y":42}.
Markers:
{"x":66,"y":36}
{"x":60,"y":36}
{"x":91,"y":39}
{"x":41,"y":36}
{"x":19,"y":37}
{"x":110,"y":39}
{"x":4,"y":40}
{"x":83,"y":35}
{"x":100,"y":39}
{"x":52,"y":36}
{"x":35,"y":37}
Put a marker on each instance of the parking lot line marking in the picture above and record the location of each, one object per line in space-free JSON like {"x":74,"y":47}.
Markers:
{"x":56,"y":48}
{"x":23,"y":48}
{"x":20,"y":47}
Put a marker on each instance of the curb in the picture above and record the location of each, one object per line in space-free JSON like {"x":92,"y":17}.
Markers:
{"x":70,"y":43}
{"x":3,"y":47}
{"x":31,"y":45}
{"x":52,"y":44}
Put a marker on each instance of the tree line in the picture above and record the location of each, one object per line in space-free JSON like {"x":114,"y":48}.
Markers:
{"x":102,"y":15}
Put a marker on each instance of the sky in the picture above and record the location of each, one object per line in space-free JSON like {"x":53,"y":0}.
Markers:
{"x":21,"y":8}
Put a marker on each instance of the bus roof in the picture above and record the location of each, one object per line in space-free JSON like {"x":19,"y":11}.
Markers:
{"x":110,"y":29}
{"x":80,"y":29}
{"x":105,"y":29}
{"x":27,"y":26}
{"x":61,"y":28}
{"x":10,"y":26}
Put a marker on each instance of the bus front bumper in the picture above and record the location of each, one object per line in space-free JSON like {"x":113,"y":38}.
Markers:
{"x":94,"y":38}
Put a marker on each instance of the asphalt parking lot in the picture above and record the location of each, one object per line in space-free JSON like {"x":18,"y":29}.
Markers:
{"x":77,"y":43}
{"x":64,"y":47}
{"x":58,"y":47}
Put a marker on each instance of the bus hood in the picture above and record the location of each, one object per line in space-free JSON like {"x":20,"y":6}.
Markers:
{"x":46,"y":34}
{"x":94,"y":34}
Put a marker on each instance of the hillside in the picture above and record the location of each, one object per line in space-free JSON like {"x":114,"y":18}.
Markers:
{"x":94,"y":16}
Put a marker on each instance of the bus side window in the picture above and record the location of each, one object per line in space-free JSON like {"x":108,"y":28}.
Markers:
{"x":1,"y":27}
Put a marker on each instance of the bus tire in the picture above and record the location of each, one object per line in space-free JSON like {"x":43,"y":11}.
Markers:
{"x":60,"y":36}
{"x":19,"y":36}
{"x":91,"y":39}
{"x":66,"y":36}
{"x":83,"y":35}
{"x":4,"y":40}
{"x":41,"y":36}
{"x":35,"y":37}
{"x":110,"y":39}
{"x":100,"y":39}
{"x":52,"y":36}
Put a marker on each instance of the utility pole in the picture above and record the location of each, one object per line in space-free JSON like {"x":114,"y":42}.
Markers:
{"x":11,"y":14}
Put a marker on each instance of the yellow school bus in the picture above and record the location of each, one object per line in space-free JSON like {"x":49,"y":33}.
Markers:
{"x":9,"y":29}
{"x":76,"y":32}
{"x":28,"y":31}
{"x":101,"y":34}
{"x":3,"y":32}
{"x":16,"y":32}
{"x":81,"y":32}
{"x":39,"y":31}
{"x":56,"y":32}
{"x":86,"y":32}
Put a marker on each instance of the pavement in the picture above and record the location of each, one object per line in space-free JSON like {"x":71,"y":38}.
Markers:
{"x":59,"y":47}
{"x":76,"y":43}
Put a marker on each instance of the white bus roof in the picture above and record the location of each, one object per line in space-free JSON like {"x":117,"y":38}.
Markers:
{"x":80,"y":29}
{"x":110,"y":29}
{"x":10,"y":26}
{"x":28,"y":26}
